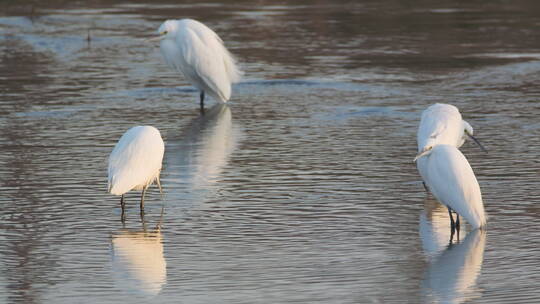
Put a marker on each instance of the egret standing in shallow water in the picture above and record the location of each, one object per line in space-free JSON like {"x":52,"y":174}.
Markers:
{"x":135,"y":162}
{"x":197,"y":52}
{"x":444,"y":169}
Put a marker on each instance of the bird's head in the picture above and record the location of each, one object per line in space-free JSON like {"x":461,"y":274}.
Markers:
{"x":468,"y":131}
{"x":425,"y":151}
{"x":167,"y":29}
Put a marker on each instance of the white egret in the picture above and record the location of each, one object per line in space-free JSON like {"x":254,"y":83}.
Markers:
{"x":451,"y":180}
{"x":442,"y":124}
{"x":197,"y":52}
{"x":135,"y":162}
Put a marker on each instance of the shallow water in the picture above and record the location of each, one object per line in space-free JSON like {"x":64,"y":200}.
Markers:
{"x":301,"y":189}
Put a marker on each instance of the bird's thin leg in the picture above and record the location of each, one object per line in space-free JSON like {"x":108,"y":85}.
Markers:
{"x":452,"y":226}
{"x":457,"y":226}
{"x":123,"y":206}
{"x":159,"y":186}
{"x":452,"y":223}
{"x":142,"y":220}
{"x":158,"y":226}
{"x":425,"y":187}
{"x":142,"y":199}
{"x":202,"y":102}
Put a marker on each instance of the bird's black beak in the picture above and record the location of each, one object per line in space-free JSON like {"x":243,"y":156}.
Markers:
{"x":477,"y":142}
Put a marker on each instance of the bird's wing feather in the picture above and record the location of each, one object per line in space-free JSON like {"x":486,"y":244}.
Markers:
{"x":136,"y":160}
{"x":171,"y":54}
{"x":205,"y":61}
{"x":214,"y":42}
{"x":452,"y":181}
{"x":205,"y":67}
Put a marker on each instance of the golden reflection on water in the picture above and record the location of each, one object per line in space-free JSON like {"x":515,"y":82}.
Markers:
{"x":138,"y":263}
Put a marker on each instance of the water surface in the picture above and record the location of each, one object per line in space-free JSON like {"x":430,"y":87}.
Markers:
{"x":302,"y":188}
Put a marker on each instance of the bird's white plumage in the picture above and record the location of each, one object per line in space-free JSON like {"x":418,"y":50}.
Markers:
{"x":452,"y":181}
{"x":444,"y":169}
{"x":442,"y":124}
{"x":196,"y":51}
{"x":135,"y":161}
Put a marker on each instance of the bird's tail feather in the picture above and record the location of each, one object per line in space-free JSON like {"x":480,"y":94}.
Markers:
{"x":231,"y":66}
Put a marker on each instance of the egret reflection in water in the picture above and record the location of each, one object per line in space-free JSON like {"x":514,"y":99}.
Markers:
{"x":434,"y":228}
{"x":138,"y":263}
{"x":453,"y":267}
{"x":197,"y":159}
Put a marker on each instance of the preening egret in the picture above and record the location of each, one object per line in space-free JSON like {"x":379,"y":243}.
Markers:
{"x":441,"y":124}
{"x":197,"y":52}
{"x":135,"y":162}
{"x":451,"y":180}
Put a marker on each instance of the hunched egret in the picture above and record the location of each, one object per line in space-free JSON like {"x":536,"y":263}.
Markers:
{"x":135,"y":162}
{"x":197,"y":52}
{"x":444,"y":169}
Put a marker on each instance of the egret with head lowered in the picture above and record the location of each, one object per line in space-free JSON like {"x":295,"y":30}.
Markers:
{"x":135,"y":162}
{"x":442,"y":124}
{"x":197,"y":52}
{"x":444,"y":169}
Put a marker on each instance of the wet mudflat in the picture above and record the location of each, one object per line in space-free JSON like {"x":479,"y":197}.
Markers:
{"x":301,"y":189}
